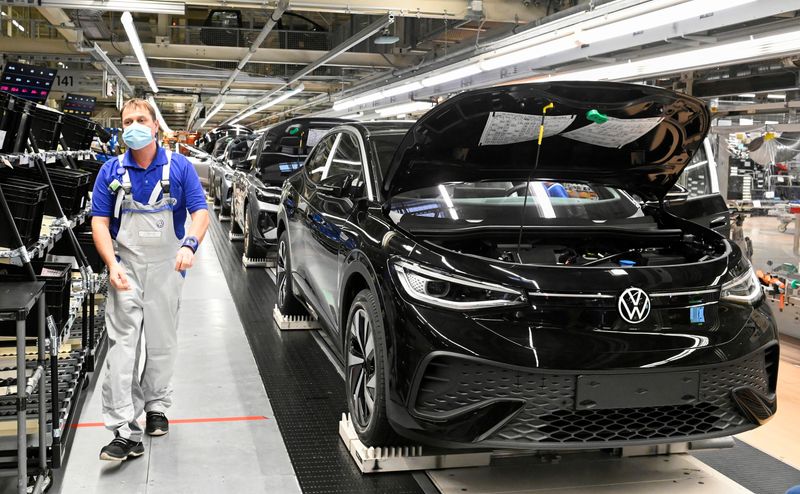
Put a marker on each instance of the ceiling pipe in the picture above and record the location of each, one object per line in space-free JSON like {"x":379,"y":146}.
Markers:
{"x":333,"y":53}
{"x":274,"y":17}
{"x":100,"y":55}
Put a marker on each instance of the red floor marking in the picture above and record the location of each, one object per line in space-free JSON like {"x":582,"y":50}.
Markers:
{"x":187,"y":421}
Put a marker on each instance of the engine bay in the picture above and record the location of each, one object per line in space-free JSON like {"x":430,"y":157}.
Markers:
{"x":607,"y":251}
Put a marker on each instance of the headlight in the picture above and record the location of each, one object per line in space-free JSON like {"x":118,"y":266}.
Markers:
{"x":744,"y":289}
{"x":453,"y":292}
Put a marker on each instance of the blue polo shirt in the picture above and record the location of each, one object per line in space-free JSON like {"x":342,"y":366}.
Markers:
{"x":184,"y":186}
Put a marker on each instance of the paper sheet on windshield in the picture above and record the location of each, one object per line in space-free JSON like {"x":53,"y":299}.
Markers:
{"x":509,"y":128}
{"x":314,"y":135}
{"x":615,"y":133}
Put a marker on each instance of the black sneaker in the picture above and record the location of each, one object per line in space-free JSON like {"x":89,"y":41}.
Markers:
{"x":120,"y":449}
{"x":157,"y":424}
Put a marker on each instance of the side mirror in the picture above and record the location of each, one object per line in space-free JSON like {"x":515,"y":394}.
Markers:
{"x":677,"y":195}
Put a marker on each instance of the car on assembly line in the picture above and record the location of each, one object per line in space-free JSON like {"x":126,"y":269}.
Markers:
{"x":277,"y":154}
{"x":482,"y":290}
{"x":233,"y":158}
{"x":214,"y":142}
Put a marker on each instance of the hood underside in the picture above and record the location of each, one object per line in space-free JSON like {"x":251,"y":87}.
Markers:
{"x":633,"y":137}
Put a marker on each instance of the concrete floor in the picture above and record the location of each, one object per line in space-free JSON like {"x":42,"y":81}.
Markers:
{"x":222,"y":437}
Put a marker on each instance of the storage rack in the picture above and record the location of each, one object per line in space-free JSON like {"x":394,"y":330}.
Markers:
{"x":70,"y":349}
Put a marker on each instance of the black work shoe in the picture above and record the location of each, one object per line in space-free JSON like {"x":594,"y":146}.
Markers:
{"x":157,"y":424}
{"x":120,"y":449}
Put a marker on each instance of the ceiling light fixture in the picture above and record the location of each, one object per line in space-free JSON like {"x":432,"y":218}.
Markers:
{"x":386,"y":38}
{"x":136,"y":45}
{"x":776,"y":96}
{"x":414,"y":106}
{"x":299,"y":89}
{"x":159,"y":117}
{"x":747,"y":95}
{"x":211,"y":114}
{"x":775,"y":44}
{"x":581,"y":34}
{"x":148,"y":6}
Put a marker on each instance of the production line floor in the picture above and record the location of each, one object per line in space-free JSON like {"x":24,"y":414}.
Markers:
{"x":256,"y":410}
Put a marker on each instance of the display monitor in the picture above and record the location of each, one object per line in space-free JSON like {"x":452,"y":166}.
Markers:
{"x":27,"y":81}
{"x":79,"y":105}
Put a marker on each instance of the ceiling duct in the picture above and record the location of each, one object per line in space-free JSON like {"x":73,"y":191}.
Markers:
{"x":92,"y":23}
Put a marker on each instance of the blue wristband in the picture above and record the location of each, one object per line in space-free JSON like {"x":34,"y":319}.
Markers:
{"x":192,"y":243}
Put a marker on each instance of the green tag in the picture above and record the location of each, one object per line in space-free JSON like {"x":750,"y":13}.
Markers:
{"x":114,"y":185}
{"x":294,"y":130}
{"x":596,"y":117}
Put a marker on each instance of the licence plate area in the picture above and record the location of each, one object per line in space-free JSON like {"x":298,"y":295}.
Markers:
{"x":609,"y":391}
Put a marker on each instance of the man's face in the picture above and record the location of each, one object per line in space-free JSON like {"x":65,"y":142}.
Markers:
{"x":139,"y":115}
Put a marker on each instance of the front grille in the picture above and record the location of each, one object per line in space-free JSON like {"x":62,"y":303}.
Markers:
{"x":550,"y":416}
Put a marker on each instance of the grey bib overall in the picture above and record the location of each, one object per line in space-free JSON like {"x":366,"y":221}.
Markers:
{"x":146,"y":247}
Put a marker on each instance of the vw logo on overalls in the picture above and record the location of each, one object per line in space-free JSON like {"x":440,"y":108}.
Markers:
{"x":160,"y":223}
{"x":634,"y":305}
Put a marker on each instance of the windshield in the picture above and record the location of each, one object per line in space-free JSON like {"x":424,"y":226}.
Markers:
{"x":501,"y":203}
{"x":274,"y":168}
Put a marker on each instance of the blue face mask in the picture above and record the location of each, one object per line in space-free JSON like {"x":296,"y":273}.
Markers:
{"x":137,"y":136}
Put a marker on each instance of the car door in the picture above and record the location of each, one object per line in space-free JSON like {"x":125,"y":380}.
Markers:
{"x":330,"y":206}
{"x":297,"y":214}
{"x":242,"y":179}
{"x":703,"y":205}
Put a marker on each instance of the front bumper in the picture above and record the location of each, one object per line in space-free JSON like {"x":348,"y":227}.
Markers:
{"x":467,"y":402}
{"x":495,"y":381}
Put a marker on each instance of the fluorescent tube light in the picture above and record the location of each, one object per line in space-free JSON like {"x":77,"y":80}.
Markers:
{"x":211,"y":114}
{"x":686,"y":60}
{"x":17,"y":25}
{"x":747,"y":95}
{"x":451,"y":75}
{"x":404,"y":89}
{"x":159,"y":117}
{"x":412,"y":107}
{"x":149,"y":6}
{"x":136,"y":45}
{"x":776,"y":96}
{"x":657,"y":18}
{"x":299,"y":89}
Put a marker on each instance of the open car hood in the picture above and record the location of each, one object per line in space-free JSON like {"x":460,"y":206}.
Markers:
{"x":649,"y":136}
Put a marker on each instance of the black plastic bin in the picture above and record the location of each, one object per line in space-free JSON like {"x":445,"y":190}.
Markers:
{"x":45,"y":127}
{"x":64,"y":248}
{"x":78,"y":132}
{"x":72,"y":188}
{"x":91,"y":166}
{"x":12,"y":124}
{"x":57,"y":287}
{"x":27,"y":202}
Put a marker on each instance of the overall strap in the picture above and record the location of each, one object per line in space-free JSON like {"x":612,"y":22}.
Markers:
{"x":123,"y":191}
{"x":163,"y":184}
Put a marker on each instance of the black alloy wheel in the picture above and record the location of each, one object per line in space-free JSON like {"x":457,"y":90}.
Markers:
{"x":287,"y":302}
{"x":365,"y":373}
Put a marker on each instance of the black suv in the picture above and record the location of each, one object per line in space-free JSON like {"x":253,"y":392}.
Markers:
{"x":483,"y":290}
{"x":277,"y":154}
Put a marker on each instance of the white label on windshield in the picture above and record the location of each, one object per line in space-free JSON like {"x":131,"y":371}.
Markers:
{"x":314,"y":135}
{"x":615,"y":133}
{"x":509,"y":128}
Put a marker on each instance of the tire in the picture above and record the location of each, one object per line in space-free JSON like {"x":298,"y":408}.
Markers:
{"x":251,"y":250}
{"x":365,"y":375}
{"x":235,"y":228}
{"x":285,"y":299}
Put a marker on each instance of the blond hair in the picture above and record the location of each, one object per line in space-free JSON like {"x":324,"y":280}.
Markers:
{"x":138,"y":103}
